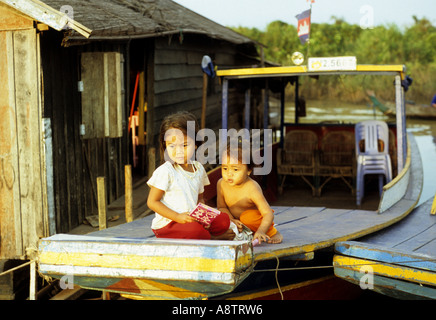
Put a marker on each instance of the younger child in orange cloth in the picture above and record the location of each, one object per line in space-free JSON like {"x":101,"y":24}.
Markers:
{"x":242,"y":198}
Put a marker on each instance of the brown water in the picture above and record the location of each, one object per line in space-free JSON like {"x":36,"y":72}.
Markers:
{"x":423,"y":130}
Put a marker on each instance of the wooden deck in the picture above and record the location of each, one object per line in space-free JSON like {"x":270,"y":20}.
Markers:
{"x":402,"y":258}
{"x":123,"y":265}
{"x":306,"y":229}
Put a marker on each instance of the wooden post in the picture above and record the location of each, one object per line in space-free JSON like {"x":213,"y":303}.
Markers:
{"x":128,"y":193}
{"x":106,"y":295}
{"x":151,"y":160}
{"x":101,"y":190}
{"x":32,"y":286}
{"x":204,"y":102}
{"x":225,"y":111}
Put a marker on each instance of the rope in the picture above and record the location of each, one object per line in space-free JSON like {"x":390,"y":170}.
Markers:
{"x":277,"y":279}
{"x":291,"y":269}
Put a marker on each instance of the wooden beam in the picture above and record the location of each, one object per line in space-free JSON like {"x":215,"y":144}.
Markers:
{"x":42,"y":27}
{"x":128,"y":193}
{"x":102,"y":204}
{"x":46,"y":14}
{"x":69,"y":294}
{"x":10,"y":220}
{"x":33,"y":285}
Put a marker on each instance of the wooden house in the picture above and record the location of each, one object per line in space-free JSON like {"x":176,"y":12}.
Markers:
{"x":70,"y":71}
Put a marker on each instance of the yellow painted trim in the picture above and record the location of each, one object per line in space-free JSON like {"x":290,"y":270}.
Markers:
{"x":386,"y":270}
{"x":272,"y":71}
{"x":433,"y":206}
{"x":142,"y":262}
{"x":386,"y":193}
{"x":382,"y":68}
{"x":403,"y":172}
{"x":261,"y":71}
{"x":153,"y":290}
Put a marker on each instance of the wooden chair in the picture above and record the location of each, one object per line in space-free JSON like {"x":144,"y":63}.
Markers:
{"x":337,"y":158}
{"x":297,"y":158}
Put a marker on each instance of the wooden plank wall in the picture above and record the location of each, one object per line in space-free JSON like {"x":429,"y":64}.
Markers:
{"x":178,"y":81}
{"x":102,"y":97}
{"x":62,"y":106}
{"x":77,"y":161}
{"x":21,"y":172}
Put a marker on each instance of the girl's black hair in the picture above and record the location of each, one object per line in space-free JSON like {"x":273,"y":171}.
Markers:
{"x":179,"y":121}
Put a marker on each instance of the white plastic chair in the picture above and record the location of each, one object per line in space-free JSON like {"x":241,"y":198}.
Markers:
{"x":372,"y":152}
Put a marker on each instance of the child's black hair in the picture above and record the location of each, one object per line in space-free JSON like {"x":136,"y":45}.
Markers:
{"x":179,"y":121}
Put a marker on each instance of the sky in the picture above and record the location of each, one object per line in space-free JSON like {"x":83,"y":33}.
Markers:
{"x":366,"y":13}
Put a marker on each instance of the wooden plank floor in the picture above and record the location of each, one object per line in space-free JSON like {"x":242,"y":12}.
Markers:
{"x":416,"y":233}
{"x":402,"y":257}
{"x":308,"y":229}
{"x":305,"y":229}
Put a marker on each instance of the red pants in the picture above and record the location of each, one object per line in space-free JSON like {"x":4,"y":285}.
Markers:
{"x":253,"y":218}
{"x":194,"y":230}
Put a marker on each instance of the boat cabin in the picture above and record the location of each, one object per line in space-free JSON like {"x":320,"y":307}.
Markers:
{"x":316,"y":152}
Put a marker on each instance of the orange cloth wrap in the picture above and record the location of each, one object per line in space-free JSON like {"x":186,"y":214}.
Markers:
{"x":253,"y":218}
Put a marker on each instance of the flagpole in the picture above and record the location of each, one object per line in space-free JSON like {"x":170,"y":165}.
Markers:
{"x":310,"y":23}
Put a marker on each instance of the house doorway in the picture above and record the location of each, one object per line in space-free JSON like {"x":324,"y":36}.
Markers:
{"x":138,"y":108}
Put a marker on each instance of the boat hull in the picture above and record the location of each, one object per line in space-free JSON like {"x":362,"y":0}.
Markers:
{"x":152,"y":268}
{"x":398,"y":262}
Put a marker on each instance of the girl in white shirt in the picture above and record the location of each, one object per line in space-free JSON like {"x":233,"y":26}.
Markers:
{"x":177,"y":186}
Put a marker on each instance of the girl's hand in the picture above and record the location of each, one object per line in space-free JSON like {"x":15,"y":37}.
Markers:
{"x":185,"y":218}
{"x":260,"y":236}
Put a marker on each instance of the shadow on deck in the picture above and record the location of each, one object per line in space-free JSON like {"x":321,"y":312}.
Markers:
{"x":295,"y":193}
{"x":336,"y":195}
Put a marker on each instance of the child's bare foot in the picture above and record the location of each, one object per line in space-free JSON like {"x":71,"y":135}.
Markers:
{"x":277,"y":238}
{"x":228,"y":235}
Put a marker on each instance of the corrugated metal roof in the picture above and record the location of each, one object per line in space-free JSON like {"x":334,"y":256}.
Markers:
{"x":124,"y":19}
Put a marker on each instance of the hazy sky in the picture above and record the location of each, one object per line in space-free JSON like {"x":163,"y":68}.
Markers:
{"x":258,"y":13}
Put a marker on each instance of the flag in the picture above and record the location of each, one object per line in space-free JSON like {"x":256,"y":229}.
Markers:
{"x":303,"y":27}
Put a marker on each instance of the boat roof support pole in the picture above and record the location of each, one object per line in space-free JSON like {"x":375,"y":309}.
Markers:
{"x":401,"y":123}
{"x":247,"y":108}
{"x":225,"y":104}
{"x":266,"y":105}
{"x":282,"y":114}
{"x":296,"y":100}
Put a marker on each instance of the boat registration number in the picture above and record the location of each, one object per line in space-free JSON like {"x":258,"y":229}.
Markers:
{"x":333,"y":63}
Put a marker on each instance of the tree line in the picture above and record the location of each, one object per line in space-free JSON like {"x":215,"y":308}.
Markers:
{"x":414,"y":46}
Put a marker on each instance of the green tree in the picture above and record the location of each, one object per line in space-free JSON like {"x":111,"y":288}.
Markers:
{"x":419,"y":42}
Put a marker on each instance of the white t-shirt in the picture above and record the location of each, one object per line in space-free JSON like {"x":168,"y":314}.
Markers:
{"x":181,"y":188}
